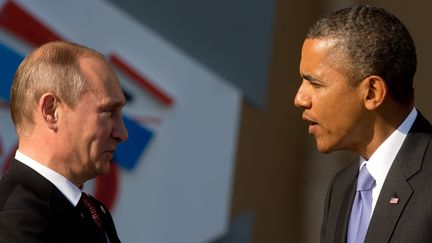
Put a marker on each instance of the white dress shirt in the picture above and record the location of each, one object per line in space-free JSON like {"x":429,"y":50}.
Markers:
{"x":67,"y":188}
{"x":381,"y":160}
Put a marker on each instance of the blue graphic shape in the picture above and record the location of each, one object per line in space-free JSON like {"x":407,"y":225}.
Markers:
{"x":9,"y":62}
{"x":128,"y":153}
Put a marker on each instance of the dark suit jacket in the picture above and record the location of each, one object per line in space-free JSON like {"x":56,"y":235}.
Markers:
{"x":409,"y":179}
{"x":33,"y":210}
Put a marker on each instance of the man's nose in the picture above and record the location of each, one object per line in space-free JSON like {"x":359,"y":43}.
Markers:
{"x":302,"y":100}
{"x":119,"y":130}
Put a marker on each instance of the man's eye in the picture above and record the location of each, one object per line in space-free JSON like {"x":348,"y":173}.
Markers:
{"x":108,"y":111}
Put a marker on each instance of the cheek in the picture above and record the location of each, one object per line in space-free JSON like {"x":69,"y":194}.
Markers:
{"x":105,"y":129}
{"x":338,"y":117}
{"x":101,"y":136}
{"x":329,"y":110}
{"x":102,"y":127}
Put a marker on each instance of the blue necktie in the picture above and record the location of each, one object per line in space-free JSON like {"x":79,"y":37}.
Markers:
{"x":361,"y":209}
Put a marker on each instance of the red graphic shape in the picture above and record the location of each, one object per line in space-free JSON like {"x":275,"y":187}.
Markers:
{"x":107,"y":187}
{"x":4,"y":105}
{"x":15,"y":19}
{"x":141,"y":80}
{"x":9,"y":158}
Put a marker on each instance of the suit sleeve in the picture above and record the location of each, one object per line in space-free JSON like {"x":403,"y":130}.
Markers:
{"x":18,"y":226}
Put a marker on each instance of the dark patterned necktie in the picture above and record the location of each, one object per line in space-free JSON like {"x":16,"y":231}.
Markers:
{"x":91,"y":208}
{"x":96,"y":218}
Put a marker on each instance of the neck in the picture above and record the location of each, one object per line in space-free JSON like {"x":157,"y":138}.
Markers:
{"x":41,"y":151}
{"x":387,"y":120}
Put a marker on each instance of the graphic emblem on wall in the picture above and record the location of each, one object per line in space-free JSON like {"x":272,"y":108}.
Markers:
{"x":18,"y":23}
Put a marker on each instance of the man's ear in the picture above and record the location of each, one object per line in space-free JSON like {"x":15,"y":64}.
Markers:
{"x":376,"y":91}
{"x":48,"y":106}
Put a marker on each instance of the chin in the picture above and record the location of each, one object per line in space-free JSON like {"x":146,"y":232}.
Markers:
{"x":324,"y":148}
{"x":107,"y":168}
{"x":104,"y":168}
{"x":325,"y":151}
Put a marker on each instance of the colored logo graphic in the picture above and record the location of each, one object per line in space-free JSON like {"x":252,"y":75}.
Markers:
{"x":19,"y":23}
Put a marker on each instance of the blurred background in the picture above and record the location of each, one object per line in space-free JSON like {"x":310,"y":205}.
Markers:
{"x":217,"y":151}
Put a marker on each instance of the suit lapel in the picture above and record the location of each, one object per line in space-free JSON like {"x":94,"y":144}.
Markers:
{"x":341,"y":197}
{"x":345,"y":211}
{"x":406,"y":164}
{"x":386,"y":214}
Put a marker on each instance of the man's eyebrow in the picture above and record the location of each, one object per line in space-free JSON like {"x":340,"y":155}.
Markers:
{"x":309,"y":78}
{"x":114,"y":103}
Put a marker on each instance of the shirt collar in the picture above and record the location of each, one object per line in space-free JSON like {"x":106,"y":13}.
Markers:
{"x":67,"y":188}
{"x":381,"y":160}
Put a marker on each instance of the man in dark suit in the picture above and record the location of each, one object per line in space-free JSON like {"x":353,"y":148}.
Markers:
{"x":66,"y":107}
{"x":357,"y":67}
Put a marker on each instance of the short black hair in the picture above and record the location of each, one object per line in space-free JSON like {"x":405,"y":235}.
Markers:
{"x":373,"y":42}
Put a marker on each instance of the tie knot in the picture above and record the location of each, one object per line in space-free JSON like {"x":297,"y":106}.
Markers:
{"x":84,"y":196}
{"x":365,"y":181}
